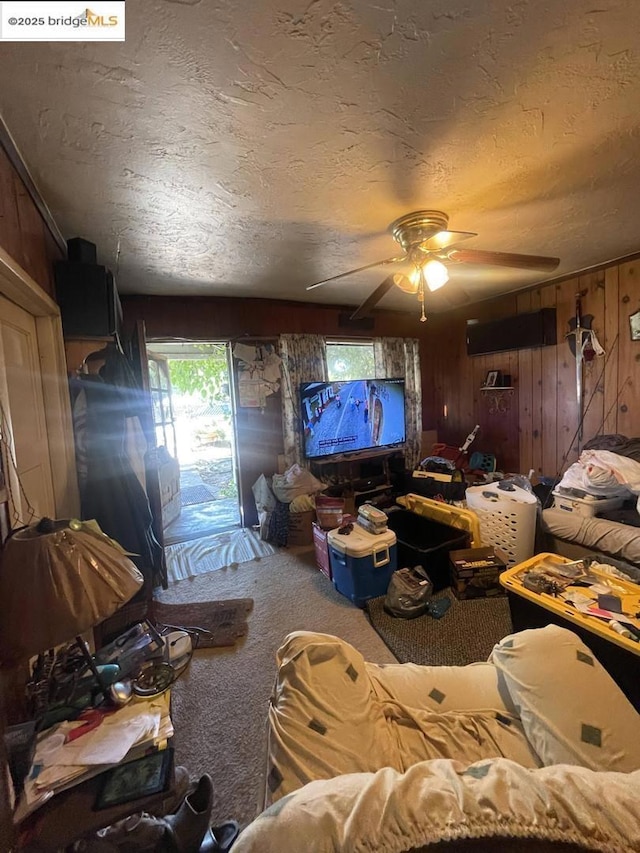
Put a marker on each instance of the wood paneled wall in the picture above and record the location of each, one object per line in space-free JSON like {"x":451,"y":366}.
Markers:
{"x":537,"y":426}
{"x":218,"y":319}
{"x":27,"y":239}
{"x":23,"y":232}
{"x":539,"y":429}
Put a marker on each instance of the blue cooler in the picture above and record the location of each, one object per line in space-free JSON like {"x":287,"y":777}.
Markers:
{"x":362,"y":563}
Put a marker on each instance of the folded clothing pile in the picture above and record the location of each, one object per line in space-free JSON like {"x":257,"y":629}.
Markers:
{"x":286,"y":506}
{"x":602,"y":474}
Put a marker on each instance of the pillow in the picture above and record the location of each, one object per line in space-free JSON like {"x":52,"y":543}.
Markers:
{"x":474,"y":687}
{"x":571,"y":709}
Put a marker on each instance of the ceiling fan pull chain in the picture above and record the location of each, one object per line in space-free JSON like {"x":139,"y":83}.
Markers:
{"x":423,"y":316}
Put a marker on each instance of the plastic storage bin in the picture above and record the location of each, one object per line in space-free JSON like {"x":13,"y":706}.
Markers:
{"x":587,"y":506}
{"x":507,"y":519}
{"x":453,"y":516}
{"x":423,"y":541}
{"x":362,"y":563}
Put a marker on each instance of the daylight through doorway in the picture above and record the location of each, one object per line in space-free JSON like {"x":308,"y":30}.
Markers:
{"x":198,"y":420}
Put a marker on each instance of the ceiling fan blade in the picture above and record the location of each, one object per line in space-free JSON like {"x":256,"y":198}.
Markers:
{"x":358,"y":269}
{"x":372,"y":300}
{"x":455,"y":296}
{"x":445,"y":239}
{"x":503,"y":259}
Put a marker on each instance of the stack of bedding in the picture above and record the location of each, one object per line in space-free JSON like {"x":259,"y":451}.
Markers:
{"x":597,"y":502}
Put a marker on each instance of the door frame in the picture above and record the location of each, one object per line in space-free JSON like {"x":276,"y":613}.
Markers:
{"x":17,"y":286}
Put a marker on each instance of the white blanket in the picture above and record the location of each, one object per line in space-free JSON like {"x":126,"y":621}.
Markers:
{"x":446,"y":800}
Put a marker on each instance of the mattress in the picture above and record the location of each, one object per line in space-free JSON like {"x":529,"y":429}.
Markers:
{"x":620,"y":541}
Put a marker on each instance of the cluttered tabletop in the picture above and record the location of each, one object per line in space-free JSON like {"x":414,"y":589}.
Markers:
{"x":593,"y":595}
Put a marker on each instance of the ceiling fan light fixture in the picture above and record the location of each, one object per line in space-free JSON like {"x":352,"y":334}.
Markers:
{"x":409,"y":283}
{"x":435,"y":274}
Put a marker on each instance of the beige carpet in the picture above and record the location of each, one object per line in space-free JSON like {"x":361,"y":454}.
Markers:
{"x":219,"y":706}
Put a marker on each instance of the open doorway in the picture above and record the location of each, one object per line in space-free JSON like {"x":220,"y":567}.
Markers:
{"x":190,"y":384}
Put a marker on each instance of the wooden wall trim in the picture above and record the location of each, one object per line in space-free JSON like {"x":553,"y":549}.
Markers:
{"x":17,"y":286}
{"x":17,"y":161}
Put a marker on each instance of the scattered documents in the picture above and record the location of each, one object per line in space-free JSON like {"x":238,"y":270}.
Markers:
{"x":127,"y":734}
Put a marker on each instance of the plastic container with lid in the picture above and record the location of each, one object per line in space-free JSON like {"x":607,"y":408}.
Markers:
{"x":588,"y":506}
{"x":362,"y":563}
{"x":426,"y":542}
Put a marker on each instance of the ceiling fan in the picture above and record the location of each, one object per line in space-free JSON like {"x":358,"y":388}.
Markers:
{"x":427,"y":243}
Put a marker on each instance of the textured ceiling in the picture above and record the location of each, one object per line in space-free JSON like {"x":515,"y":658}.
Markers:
{"x":249,"y":148}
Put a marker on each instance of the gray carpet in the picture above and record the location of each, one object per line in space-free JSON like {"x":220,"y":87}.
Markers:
{"x":465,"y":634}
{"x":219,"y":706}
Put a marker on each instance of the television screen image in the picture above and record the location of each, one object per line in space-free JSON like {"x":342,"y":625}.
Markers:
{"x":358,"y":414}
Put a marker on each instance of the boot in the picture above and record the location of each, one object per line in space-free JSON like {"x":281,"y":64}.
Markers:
{"x":219,"y":839}
{"x":189,"y":824}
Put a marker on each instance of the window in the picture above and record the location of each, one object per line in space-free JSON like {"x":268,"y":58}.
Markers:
{"x":349,"y":360}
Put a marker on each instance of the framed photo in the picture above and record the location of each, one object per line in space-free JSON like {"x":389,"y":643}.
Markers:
{"x":491,"y":379}
{"x":634,"y":326}
{"x":141,"y":778}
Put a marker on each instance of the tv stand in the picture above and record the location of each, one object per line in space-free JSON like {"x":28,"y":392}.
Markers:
{"x":363,"y":476}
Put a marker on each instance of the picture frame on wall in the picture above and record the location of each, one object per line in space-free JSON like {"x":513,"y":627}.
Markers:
{"x":634,"y":326}
{"x":491,"y":379}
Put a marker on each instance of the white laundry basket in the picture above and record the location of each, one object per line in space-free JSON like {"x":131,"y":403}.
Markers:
{"x":507,"y":519}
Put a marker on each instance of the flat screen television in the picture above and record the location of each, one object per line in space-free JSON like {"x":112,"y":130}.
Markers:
{"x":352,"y":415}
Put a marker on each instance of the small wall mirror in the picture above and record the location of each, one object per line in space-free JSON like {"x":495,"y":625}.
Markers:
{"x":634,"y":326}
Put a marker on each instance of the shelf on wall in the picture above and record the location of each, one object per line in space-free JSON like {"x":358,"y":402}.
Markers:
{"x":498,"y":397}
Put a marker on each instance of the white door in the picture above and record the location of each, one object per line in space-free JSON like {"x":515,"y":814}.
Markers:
{"x":24,"y":434}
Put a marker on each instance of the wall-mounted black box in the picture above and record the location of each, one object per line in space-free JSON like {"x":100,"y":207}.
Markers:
{"x":81,"y":251}
{"x":88,"y":300}
{"x":522,"y":331}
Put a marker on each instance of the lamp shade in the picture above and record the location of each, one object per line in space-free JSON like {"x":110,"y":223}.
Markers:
{"x":435,"y":274}
{"x":58,"y":579}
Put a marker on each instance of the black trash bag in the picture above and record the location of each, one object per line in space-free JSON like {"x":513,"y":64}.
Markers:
{"x":408,"y":593}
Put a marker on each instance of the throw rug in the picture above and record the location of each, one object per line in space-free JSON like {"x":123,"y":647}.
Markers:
{"x":465,"y":634}
{"x":222,"y":623}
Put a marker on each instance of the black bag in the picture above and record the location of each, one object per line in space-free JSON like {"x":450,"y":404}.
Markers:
{"x":408,"y":593}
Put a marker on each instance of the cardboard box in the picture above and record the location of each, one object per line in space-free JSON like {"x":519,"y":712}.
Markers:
{"x":475,"y":572}
{"x":301,"y":528}
{"x":322,"y":549}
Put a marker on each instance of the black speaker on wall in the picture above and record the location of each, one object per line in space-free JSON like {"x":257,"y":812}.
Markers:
{"x":88,"y":300}
{"x":522,"y":331}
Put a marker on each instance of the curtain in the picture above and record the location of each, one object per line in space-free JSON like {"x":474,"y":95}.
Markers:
{"x":304,"y":359}
{"x":400,"y":357}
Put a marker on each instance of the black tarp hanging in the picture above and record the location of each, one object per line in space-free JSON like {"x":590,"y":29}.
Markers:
{"x":110,"y":490}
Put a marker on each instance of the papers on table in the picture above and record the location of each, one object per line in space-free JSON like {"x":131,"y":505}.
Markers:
{"x":126,"y":734}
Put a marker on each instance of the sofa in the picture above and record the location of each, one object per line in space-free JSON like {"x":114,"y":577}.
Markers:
{"x":576,"y":536}
{"x":536,"y":749}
